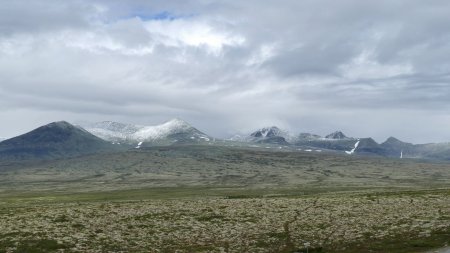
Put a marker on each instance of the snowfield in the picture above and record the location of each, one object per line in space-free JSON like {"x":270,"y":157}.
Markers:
{"x":115,"y":132}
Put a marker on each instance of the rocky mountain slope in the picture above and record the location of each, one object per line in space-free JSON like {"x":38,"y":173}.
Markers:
{"x":272,"y":135}
{"x":175,"y":131}
{"x":338,"y":135}
{"x":55,"y":140}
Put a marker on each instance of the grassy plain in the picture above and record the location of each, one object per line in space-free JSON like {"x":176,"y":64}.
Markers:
{"x":219,"y":199}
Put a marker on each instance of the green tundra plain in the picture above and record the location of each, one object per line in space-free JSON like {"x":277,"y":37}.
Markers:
{"x":224,"y":199}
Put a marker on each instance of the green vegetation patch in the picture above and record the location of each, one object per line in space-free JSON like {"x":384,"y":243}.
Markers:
{"x":39,"y":245}
{"x":404,"y":243}
{"x":211,"y":217}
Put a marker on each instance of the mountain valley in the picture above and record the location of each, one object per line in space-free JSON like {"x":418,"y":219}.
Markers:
{"x":167,"y":186}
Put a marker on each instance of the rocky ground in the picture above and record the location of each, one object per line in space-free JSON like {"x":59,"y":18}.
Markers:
{"x":346,"y":222}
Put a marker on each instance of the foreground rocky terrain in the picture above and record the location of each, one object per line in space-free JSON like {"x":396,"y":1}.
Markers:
{"x":200,"y":198}
{"x":345,"y":222}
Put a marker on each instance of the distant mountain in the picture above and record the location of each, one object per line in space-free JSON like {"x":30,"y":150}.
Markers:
{"x":267,"y":132}
{"x":439,"y":151}
{"x":336,"y":141}
{"x":395,"y":148}
{"x":369,"y":146}
{"x":308,"y":137}
{"x":393,"y":142}
{"x":175,"y":131}
{"x":55,"y":140}
{"x":315,"y":141}
{"x":338,"y":135}
{"x":272,"y":135}
{"x":339,"y":142}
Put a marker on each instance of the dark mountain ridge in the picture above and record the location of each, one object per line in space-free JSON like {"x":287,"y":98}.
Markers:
{"x":55,"y":140}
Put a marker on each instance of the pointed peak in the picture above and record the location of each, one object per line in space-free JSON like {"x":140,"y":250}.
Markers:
{"x":338,"y":135}
{"x":394,"y":141}
{"x":368,"y":140}
{"x":54,"y":140}
{"x":267,"y":132}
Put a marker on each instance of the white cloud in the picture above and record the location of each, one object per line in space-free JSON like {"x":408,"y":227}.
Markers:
{"x":264,"y":53}
{"x":187,"y":32}
{"x":228,"y":64}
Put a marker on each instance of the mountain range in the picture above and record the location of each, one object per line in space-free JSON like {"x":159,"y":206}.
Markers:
{"x":62,"y":139}
{"x":339,"y":142}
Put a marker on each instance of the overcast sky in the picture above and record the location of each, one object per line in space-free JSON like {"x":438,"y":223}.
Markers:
{"x":369,"y":68}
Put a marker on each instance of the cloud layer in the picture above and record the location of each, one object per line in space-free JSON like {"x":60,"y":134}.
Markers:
{"x":376,"y":68}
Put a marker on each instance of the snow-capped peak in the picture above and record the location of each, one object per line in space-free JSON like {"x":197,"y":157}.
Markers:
{"x":267,"y":132}
{"x":119,"y":132}
{"x":160,"y":131}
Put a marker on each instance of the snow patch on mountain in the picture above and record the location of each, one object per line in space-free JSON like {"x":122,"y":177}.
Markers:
{"x":119,"y":132}
{"x":270,"y":132}
{"x":354,"y":149}
{"x":112,"y":131}
{"x":273,"y":132}
{"x":161,"y":131}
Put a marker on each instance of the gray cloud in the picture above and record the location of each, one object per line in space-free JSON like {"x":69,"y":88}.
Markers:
{"x":369,"y":68}
{"x":45,"y":16}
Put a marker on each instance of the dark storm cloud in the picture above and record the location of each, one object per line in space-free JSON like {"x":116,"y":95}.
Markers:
{"x":371,"y":68}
